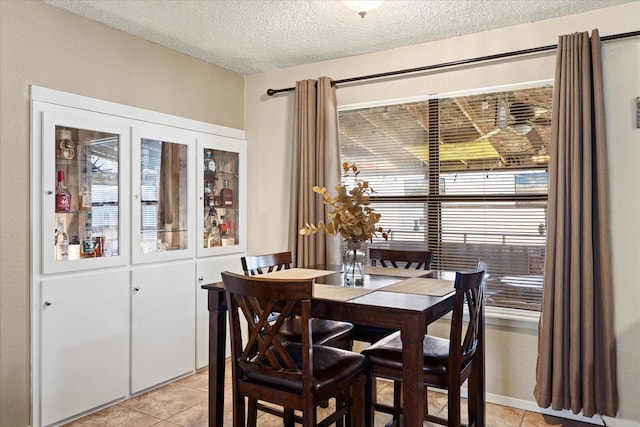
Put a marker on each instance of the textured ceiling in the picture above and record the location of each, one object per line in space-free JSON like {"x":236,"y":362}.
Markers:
{"x":253,"y":36}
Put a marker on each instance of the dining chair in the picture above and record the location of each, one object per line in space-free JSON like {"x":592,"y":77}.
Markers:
{"x":323,"y":332}
{"x":448,"y":363}
{"x":295,"y":375}
{"x":392,"y":258}
{"x":406,"y":258}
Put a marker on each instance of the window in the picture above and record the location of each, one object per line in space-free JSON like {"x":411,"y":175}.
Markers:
{"x":464,"y":175}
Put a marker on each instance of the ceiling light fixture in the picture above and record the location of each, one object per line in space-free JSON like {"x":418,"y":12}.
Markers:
{"x":521,"y":128}
{"x":362,"y":6}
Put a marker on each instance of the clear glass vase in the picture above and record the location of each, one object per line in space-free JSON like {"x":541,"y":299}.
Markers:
{"x":353,"y":264}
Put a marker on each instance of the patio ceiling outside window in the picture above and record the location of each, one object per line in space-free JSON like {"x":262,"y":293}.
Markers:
{"x":465,"y":176}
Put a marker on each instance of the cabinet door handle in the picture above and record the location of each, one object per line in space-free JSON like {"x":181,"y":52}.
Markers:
{"x":49,"y":192}
{"x":200,"y":279}
{"x":47,"y":303}
{"x":136,"y":289}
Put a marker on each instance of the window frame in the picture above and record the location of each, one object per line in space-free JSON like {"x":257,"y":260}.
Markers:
{"x":526,"y":318}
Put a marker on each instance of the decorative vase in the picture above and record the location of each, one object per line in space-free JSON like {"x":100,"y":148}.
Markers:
{"x":353,"y":264}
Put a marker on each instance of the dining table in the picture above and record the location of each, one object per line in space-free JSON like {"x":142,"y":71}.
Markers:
{"x":389,"y":298}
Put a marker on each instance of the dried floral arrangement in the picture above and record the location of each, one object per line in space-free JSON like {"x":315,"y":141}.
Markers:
{"x":351,"y":216}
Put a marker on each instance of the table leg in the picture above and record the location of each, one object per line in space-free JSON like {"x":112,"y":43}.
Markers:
{"x":413,"y":400}
{"x":217,"y":341}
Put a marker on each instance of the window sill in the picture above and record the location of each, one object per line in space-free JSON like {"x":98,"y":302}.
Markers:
{"x":511,"y":317}
{"x":507,"y":317}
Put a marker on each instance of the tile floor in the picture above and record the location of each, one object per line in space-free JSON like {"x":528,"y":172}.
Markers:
{"x":184,"y":403}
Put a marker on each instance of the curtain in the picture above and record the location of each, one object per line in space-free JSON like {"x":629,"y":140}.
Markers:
{"x":316,"y":161}
{"x":576,"y":350}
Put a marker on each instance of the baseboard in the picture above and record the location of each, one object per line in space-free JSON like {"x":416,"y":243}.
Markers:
{"x":532,"y":406}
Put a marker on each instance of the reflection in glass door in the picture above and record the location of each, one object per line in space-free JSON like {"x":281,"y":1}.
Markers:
{"x":163,"y":196}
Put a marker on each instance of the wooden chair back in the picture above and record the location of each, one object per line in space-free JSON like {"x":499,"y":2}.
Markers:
{"x":408,"y":259}
{"x":470,"y":293}
{"x":262,"y":352}
{"x":260,"y":264}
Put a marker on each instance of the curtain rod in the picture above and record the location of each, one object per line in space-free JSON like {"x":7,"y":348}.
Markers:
{"x":272,"y":92}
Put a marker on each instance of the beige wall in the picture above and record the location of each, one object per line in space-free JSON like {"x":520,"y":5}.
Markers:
{"x":512,"y":351}
{"x":45,"y":46}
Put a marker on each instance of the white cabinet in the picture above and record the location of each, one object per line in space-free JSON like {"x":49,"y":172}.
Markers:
{"x":162,"y":323}
{"x":113,"y":303}
{"x":84,"y":321}
{"x":208,"y":271}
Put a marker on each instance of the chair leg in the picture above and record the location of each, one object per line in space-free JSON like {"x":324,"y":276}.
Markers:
{"x":357,"y":415}
{"x":473,"y":400}
{"x":370,"y":400}
{"x":252,"y":413}
{"x":454,"y":405}
{"x":238,"y":410}
{"x":289,"y":418}
{"x":397,"y":400}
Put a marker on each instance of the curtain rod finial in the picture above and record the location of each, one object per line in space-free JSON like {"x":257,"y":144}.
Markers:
{"x":271,"y":92}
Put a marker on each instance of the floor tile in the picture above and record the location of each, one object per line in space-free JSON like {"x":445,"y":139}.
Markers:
{"x":166,"y":401}
{"x":199,"y":380}
{"x":116,"y":416}
{"x":196,"y":416}
{"x":533,"y":419}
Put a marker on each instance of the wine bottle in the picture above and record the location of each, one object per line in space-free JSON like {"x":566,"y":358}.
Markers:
{"x":63,"y":197}
{"x":226,"y":195}
{"x":62,"y":242}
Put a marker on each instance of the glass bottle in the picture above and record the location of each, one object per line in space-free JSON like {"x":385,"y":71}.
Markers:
{"x":208,"y":194}
{"x":62,"y":242}
{"x":214,"y":236}
{"x":229,"y":237}
{"x":84,"y":193}
{"x":226,"y":195}
{"x":209,"y":163}
{"x":222,"y":227}
{"x":63,"y":197}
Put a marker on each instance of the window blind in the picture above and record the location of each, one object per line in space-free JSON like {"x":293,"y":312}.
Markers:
{"x":464,"y":176}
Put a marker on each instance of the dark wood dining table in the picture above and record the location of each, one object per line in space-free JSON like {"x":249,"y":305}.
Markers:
{"x":369,"y":305}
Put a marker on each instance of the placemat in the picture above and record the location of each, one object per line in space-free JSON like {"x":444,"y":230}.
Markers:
{"x":398,"y":272}
{"x":338,"y":293}
{"x":297,"y":273}
{"x":422,"y":286}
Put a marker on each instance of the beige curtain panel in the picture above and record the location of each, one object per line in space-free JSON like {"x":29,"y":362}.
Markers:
{"x":316,"y":162}
{"x":576,"y":348}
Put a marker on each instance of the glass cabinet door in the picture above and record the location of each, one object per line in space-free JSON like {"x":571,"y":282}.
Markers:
{"x":82,"y":176}
{"x":163,"y":195}
{"x":221,"y":178}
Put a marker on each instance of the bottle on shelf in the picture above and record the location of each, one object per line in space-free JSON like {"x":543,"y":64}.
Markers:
{"x":222,"y":227}
{"x":63,"y":197}
{"x":84,"y":193}
{"x":62,"y":242}
{"x":87,"y":244}
{"x":74,"y":248}
{"x":214,"y":236}
{"x":229,"y":237}
{"x":209,"y":163}
{"x":226,"y":195}
{"x":208,"y":194}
